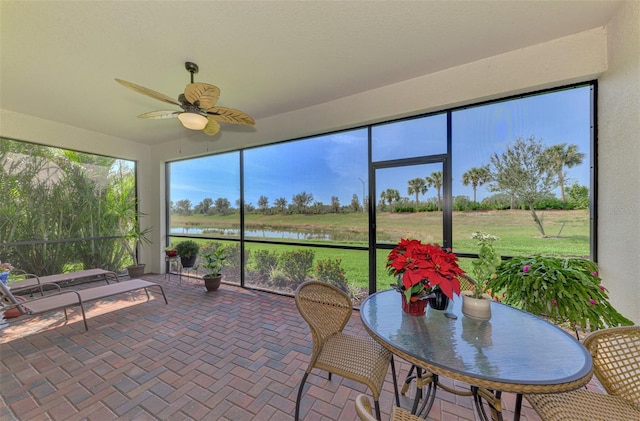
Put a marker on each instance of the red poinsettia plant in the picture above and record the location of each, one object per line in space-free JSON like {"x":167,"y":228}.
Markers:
{"x":421,"y":268}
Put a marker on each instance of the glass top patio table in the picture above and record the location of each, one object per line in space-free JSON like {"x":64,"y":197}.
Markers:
{"x":514,"y":352}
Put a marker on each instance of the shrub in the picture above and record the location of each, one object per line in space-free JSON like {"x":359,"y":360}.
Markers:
{"x":265,"y":261}
{"x":331,"y":272}
{"x":277,"y":278}
{"x":234,"y":257}
{"x":404,"y":208}
{"x":578,"y":196}
{"x":462,"y":203}
{"x":296,"y":264}
{"x":549,"y":202}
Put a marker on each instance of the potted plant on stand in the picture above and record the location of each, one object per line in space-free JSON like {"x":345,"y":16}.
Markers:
{"x":476,"y":303}
{"x":214,"y":263}
{"x":188,"y":251}
{"x":170,"y":251}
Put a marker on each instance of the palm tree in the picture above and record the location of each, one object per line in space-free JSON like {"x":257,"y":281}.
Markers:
{"x":435,"y":180}
{"x":476,"y":176}
{"x":417,"y":186}
{"x":281,"y":205}
{"x":560,"y":156}
{"x":390,"y":195}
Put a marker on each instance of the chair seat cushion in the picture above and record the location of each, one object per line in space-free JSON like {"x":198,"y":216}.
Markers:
{"x":583,"y":405}
{"x":355,"y":357}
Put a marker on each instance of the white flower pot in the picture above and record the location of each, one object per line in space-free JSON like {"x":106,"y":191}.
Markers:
{"x":476,"y":308}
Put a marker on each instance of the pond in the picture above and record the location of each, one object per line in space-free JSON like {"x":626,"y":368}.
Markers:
{"x":273,"y":233}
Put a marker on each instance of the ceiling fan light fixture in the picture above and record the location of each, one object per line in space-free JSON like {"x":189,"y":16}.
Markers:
{"x":193,"y":121}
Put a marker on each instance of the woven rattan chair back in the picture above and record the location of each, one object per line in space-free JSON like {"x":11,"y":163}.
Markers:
{"x":616,"y":364}
{"x":467,"y":283}
{"x":616,"y":360}
{"x":327,"y":310}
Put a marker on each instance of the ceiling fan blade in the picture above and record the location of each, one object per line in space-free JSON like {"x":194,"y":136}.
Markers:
{"x":230,"y":115}
{"x":212,"y":127}
{"x":206,"y":94}
{"x":160,"y":114}
{"x":148,"y":92}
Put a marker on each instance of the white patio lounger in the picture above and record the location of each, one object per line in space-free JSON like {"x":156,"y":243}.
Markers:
{"x":70,"y":298}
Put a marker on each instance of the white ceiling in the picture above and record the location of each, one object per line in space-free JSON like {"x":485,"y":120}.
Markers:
{"x":59,"y":58}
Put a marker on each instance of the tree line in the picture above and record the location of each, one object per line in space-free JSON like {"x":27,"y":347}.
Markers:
{"x":523,"y":176}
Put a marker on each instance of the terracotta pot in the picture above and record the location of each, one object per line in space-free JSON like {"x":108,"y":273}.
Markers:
{"x":212,"y":283}
{"x":476,"y":308}
{"x":135,"y":271}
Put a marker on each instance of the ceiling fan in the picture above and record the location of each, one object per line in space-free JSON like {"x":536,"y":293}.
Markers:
{"x":198,"y":104}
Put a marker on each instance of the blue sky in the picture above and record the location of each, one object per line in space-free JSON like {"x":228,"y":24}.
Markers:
{"x":333,"y":165}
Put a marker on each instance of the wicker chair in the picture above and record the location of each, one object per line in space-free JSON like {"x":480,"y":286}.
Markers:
{"x":327,"y":310}
{"x":616,"y":363}
{"x":363,"y":408}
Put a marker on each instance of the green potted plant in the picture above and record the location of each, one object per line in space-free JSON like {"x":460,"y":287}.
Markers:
{"x":170,"y":251}
{"x":188,"y":251}
{"x":214,"y":262}
{"x":476,"y":303}
{"x":564,"y":290}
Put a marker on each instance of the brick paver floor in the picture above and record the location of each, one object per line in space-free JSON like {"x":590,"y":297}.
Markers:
{"x":234,"y":354}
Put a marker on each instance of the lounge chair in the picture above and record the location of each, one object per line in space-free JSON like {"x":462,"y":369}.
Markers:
{"x":31,"y":282}
{"x":70,"y":298}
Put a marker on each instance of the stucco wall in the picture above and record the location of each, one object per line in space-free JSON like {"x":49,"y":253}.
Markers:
{"x":619,"y":163}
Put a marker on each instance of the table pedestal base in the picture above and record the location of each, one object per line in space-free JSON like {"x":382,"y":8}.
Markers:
{"x":424,"y":399}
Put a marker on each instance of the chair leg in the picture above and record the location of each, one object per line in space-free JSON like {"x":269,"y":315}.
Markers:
{"x":302,"y":382}
{"x":395,"y":382}
{"x":84,"y":317}
{"x":378,"y":416}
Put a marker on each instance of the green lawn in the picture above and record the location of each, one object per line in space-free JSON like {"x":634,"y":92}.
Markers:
{"x":517,"y":232}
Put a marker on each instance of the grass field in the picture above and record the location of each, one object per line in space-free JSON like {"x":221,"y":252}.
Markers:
{"x":567,"y":234}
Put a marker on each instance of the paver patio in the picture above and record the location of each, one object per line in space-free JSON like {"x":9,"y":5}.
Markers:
{"x":234,"y":354}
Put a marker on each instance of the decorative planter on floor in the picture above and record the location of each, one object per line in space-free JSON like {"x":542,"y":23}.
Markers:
{"x":135,"y":271}
{"x":212,"y":283}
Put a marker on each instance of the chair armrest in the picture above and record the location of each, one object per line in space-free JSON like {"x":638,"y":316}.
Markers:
{"x":111,"y":275}
{"x":68,"y":291}
{"x":34,"y":286}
